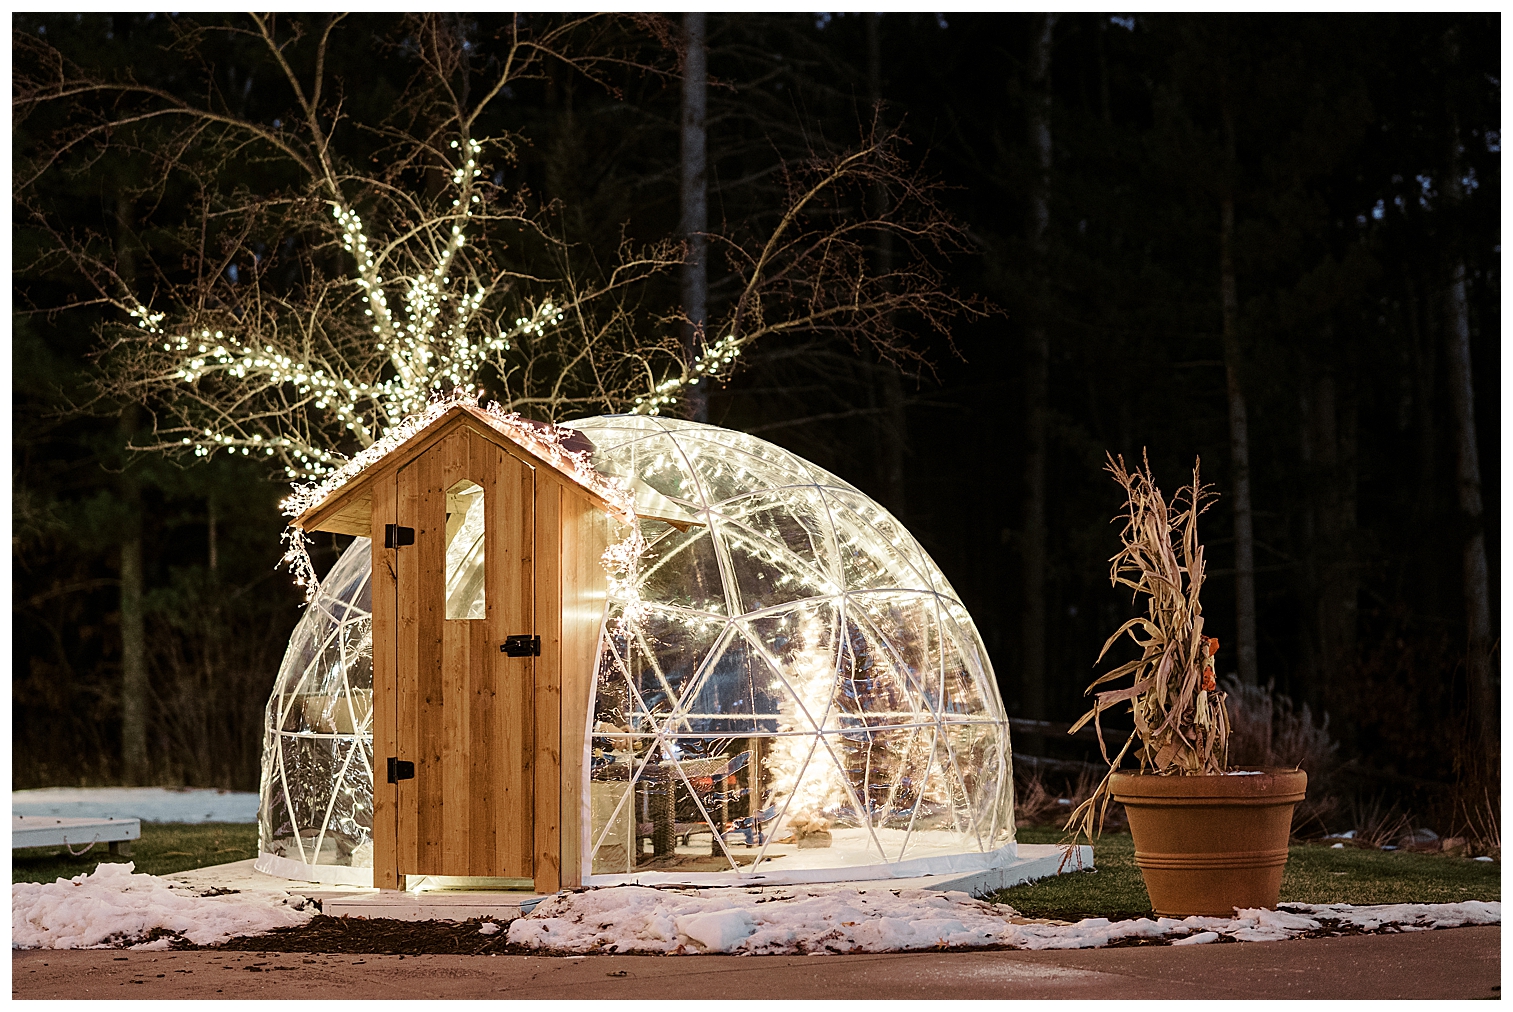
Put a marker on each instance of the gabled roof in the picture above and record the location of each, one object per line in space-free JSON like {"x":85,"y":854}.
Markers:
{"x":342,"y":502}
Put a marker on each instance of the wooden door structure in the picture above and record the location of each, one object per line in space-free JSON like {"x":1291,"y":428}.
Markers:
{"x":465,"y":710}
{"x":479,"y":749}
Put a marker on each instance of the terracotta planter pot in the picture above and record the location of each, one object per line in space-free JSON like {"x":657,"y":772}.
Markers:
{"x":1207,"y":845}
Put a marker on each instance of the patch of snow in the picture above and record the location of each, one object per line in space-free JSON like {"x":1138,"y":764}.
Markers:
{"x":1482,"y":858}
{"x":1201,"y":938}
{"x":1243,"y":773}
{"x":817,"y":919}
{"x":113,"y":907}
{"x":150,"y":804}
{"x":1338,"y":846}
{"x":1405,"y":916}
{"x":718,"y":930}
{"x":488,"y":928}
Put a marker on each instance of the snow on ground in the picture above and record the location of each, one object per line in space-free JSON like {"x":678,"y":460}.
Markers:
{"x":150,"y":804}
{"x":114,"y":908}
{"x":878,"y":919}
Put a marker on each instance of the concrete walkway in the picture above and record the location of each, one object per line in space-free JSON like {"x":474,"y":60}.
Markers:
{"x":1455,"y":963}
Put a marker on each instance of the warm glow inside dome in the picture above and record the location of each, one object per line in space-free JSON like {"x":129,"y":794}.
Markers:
{"x":798,"y":694}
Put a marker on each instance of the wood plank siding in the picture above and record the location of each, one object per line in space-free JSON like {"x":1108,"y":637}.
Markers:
{"x":498,"y":742}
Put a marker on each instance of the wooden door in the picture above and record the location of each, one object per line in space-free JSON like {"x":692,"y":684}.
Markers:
{"x":464,"y":709}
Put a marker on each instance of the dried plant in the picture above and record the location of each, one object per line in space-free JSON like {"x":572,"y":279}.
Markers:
{"x":1181,"y":723}
{"x":1038,"y":798}
{"x":1034,"y":803}
{"x":1481,"y":823}
{"x":1377,"y":823}
{"x":1268,"y":729}
{"x":1042,"y":798}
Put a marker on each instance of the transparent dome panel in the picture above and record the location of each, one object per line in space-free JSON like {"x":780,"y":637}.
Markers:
{"x":316,"y":805}
{"x":849,"y":696}
{"x":723,"y":472}
{"x":683,"y":568}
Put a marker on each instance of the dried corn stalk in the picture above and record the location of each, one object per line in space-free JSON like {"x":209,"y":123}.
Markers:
{"x":1181,"y":725}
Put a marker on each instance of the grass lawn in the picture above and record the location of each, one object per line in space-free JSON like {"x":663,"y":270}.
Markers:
{"x":165,"y":847}
{"x":1315,"y":874}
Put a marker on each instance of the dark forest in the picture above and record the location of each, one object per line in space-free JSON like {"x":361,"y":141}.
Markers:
{"x":1269,"y":242}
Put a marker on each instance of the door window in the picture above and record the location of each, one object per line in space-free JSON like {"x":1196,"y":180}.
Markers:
{"x":465,"y":530}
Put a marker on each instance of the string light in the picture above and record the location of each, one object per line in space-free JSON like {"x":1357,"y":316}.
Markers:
{"x":428,"y":333}
{"x":706,"y":365}
{"x":545,"y":441}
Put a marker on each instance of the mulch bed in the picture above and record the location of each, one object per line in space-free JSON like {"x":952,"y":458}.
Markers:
{"x":380,"y":936}
{"x":375,"y":936}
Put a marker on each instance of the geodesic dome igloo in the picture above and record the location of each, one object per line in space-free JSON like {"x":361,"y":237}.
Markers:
{"x":788,"y":689}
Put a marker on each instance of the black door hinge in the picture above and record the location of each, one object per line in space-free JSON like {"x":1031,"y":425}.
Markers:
{"x":396,"y":536}
{"x":400,"y":769}
{"x":521,"y":646}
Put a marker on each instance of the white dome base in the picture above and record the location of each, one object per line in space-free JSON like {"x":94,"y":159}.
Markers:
{"x":325,"y":874}
{"x":840,"y":869}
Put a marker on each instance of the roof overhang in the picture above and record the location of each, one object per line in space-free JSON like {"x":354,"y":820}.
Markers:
{"x":348,"y":509}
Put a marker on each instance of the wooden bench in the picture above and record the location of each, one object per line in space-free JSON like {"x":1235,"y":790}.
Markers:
{"x":50,"y":830}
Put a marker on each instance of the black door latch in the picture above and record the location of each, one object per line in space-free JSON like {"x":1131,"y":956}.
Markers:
{"x":400,"y":769}
{"x":396,"y":536}
{"x":521,"y":646}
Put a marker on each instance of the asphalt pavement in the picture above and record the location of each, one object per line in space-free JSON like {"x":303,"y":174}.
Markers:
{"x":1452,"y":963}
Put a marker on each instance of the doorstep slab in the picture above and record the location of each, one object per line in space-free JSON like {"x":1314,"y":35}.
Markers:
{"x":437,"y":905}
{"x":1035,"y":861}
{"x":242,"y":877}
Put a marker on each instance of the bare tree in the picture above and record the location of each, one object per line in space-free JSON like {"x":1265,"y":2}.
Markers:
{"x":402,"y":284}
{"x":301,"y":323}
{"x":810,"y":271}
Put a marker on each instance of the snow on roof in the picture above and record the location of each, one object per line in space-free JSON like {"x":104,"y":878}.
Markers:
{"x":560,"y":447}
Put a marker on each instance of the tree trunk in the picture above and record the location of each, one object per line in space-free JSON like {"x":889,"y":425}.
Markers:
{"x":1422,"y":357}
{"x":1330,"y":479}
{"x":133,"y":660}
{"x":694,"y":200}
{"x":134,"y":689}
{"x":1483,"y":689}
{"x":134,"y":766}
{"x":1037,"y":379}
{"x":889,"y":385}
{"x":1239,"y":426}
{"x":210,"y":517}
